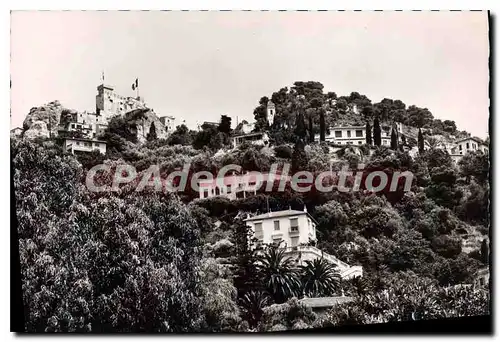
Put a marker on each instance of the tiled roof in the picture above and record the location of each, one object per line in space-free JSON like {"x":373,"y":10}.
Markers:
{"x":282,"y":213}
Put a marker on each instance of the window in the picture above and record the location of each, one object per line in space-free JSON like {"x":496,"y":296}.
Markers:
{"x":467,"y":145}
{"x":460,"y":147}
{"x":276,"y":225}
{"x":384,"y":142}
{"x":359,"y":133}
{"x":205,"y":193}
{"x":271,"y":112}
{"x":348,"y":134}
{"x":294,"y":225}
{"x":360,"y":142}
{"x":258,"y":230}
{"x":229,"y":188}
{"x":474,"y":146}
{"x":338,"y":134}
{"x":217,"y":191}
{"x":78,"y":143}
{"x":295,"y":241}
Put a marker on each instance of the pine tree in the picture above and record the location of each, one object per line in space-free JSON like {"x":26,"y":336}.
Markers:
{"x":394,"y":139}
{"x":322,"y":126}
{"x":420,"y":141}
{"x":311,"y":132}
{"x":377,"y":132}
{"x":152,"y":133}
{"x":368,"y":134}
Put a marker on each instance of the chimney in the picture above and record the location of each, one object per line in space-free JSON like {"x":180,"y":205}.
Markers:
{"x":305,"y":208}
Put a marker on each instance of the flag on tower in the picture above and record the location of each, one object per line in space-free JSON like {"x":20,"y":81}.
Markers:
{"x":135,"y":84}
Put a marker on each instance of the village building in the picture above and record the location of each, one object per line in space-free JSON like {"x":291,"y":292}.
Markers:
{"x":482,"y":277}
{"x":296,"y":231}
{"x":236,"y":186}
{"x":256,"y":138}
{"x":463,"y":146}
{"x":346,"y":135}
{"x":73,"y":145}
{"x":169,"y":122}
{"x":16,"y":132}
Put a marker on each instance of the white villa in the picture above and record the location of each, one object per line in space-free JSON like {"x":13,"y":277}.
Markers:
{"x":297,"y":230}
{"x":463,"y":146}
{"x":346,"y":135}
{"x":257,"y":138}
{"x":236,"y":186}
{"x":83,"y":145}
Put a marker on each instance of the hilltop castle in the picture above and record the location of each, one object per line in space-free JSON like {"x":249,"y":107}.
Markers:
{"x":82,"y":129}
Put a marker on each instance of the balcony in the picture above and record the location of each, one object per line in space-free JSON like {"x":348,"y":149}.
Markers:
{"x":294,"y":231}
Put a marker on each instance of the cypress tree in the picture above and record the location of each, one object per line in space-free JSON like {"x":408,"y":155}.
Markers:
{"x":322,"y":126}
{"x":394,"y":139}
{"x":377,"y":132}
{"x":311,"y":132}
{"x":368,"y":134}
{"x":299,"y":157}
{"x":485,"y":251}
{"x":152,"y":133}
{"x":420,"y":141}
{"x":300,"y":126}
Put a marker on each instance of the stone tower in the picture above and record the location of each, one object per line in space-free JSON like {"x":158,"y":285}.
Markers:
{"x":271,"y":112}
{"x":108,"y":103}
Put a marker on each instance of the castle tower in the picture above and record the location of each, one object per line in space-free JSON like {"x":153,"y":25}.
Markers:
{"x":271,"y":112}
{"x":104,"y":101}
{"x":108,"y":103}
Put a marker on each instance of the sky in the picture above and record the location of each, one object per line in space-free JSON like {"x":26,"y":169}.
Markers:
{"x":197,"y":66}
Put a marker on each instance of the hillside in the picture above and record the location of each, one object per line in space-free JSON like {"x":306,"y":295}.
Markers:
{"x":171,"y":262}
{"x":354,"y":109}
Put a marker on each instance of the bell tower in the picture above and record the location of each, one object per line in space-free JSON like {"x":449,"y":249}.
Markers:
{"x":271,"y":112}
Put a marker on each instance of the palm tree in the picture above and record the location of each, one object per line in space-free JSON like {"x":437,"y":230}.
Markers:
{"x":278,"y":274}
{"x":252,"y":304}
{"x":319,"y":278}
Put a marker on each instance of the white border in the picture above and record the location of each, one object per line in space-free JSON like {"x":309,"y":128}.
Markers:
{"x":6,"y":6}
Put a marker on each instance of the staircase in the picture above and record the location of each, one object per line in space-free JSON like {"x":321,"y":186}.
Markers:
{"x":303,"y":253}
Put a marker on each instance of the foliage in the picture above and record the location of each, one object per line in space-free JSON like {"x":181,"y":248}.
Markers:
{"x":319,"y":278}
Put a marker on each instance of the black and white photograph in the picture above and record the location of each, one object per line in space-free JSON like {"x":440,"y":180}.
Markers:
{"x":250,"y":171}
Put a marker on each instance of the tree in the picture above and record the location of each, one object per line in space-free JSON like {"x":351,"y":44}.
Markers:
{"x":225,"y":124}
{"x":278,"y":274}
{"x":311,"y":131}
{"x":394,"y":139}
{"x":377,"y":132}
{"x":485,"y":251}
{"x":253,"y":303}
{"x":420,"y":142}
{"x":368,"y":133}
{"x":419,"y":117}
{"x":300,"y":127}
{"x":322,"y":126}
{"x":151,"y":136}
{"x":319,"y":278}
{"x":299,"y":157}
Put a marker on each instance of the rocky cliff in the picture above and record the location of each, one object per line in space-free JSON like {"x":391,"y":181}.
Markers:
{"x":143,"y":120}
{"x":44,"y":121}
